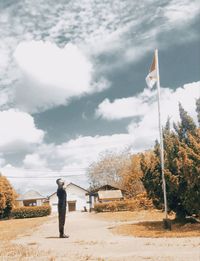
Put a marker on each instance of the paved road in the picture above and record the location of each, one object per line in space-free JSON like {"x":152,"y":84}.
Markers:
{"x":91,"y":239}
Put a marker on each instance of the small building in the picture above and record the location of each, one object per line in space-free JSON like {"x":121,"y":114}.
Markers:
{"x":104,"y":193}
{"x":109,"y":195}
{"x":31,"y":198}
{"x":76,"y":198}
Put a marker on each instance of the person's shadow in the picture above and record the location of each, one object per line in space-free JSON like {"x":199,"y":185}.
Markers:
{"x":51,"y":237}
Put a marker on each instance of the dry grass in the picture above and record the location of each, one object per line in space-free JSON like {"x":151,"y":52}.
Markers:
{"x":9,"y":251}
{"x":148,"y":224}
{"x":155,"y":229}
{"x":142,"y":215}
{"x":10,"y":230}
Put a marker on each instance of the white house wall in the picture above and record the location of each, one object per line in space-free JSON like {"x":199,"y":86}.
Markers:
{"x":77,"y":194}
{"x":53,"y":201}
{"x":74,"y":193}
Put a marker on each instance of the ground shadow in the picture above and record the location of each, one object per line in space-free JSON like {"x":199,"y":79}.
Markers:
{"x":51,"y":237}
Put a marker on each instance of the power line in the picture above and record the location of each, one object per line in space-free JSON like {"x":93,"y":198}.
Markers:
{"x":44,"y":177}
{"x":44,"y":171}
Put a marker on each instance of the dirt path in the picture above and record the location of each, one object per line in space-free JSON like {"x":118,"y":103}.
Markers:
{"x":91,"y":239}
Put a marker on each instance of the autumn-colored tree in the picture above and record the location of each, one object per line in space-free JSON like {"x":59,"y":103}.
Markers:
{"x":131,"y":176}
{"x":182,"y":168}
{"x":121,"y":170}
{"x":108,"y":169}
{"x":7,"y":197}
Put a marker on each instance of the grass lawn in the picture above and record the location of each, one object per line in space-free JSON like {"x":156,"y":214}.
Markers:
{"x":148,"y":223}
{"x":11,"y":229}
{"x":140,"y":215}
{"x":155,"y":229}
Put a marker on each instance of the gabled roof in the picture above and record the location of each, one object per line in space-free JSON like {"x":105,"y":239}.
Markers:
{"x":104,"y":187}
{"x":110,"y":194}
{"x":71,"y":183}
{"x":31,"y":194}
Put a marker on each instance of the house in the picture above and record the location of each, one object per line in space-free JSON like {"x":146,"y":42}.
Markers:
{"x":76,"y":198}
{"x":31,"y":198}
{"x":104,"y":193}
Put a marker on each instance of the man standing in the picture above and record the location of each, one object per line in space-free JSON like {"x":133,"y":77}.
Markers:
{"x":62,"y":199}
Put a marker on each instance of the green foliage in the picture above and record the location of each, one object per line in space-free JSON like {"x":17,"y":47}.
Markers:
{"x":139,"y":202}
{"x":182,"y":168}
{"x":7,"y":197}
{"x":30,"y":212}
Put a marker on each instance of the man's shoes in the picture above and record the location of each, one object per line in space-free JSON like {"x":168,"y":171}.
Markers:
{"x":64,"y":236}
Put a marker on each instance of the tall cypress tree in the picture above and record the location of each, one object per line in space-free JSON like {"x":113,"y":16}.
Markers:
{"x":182,"y":168}
{"x":186,"y":125}
{"x":198,"y":110}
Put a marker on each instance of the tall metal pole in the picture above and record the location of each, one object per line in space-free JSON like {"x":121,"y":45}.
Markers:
{"x":161,"y":135}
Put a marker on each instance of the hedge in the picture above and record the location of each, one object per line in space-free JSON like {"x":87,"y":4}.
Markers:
{"x":30,"y":212}
{"x":137,"y":203}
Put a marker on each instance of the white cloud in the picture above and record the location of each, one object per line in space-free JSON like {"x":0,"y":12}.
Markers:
{"x":25,"y":179}
{"x":65,"y":67}
{"x":34,"y":161}
{"x":120,"y":31}
{"x":144,"y":131}
{"x":144,"y":105}
{"x":125,"y":107}
{"x":180,"y":12}
{"x":42,"y":180}
{"x":52,"y":75}
{"x":18,"y":130}
{"x":4,"y":99}
{"x":70,"y":160}
{"x":84,"y":150}
{"x":127,"y":28}
{"x":80,"y":151}
{"x":2,"y":161}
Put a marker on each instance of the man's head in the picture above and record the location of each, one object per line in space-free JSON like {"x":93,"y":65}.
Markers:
{"x":60,"y":182}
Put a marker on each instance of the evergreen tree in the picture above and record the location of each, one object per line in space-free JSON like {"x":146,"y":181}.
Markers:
{"x":198,"y":110}
{"x":182,"y":168}
{"x":186,"y":125}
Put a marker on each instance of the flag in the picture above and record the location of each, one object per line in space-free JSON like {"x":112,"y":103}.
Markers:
{"x":152,"y":76}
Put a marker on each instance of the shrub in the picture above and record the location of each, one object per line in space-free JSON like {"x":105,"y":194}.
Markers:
{"x":30,"y":212}
{"x":137,"y":203}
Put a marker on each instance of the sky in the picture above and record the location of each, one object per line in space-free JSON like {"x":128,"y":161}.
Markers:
{"x":72,"y":82}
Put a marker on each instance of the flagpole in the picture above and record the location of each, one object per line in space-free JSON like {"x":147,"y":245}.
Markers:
{"x":161,"y":134}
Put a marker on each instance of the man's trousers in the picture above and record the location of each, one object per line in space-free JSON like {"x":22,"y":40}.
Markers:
{"x":61,"y":218}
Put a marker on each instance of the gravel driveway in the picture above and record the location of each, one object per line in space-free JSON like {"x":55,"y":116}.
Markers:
{"x":91,"y":239}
